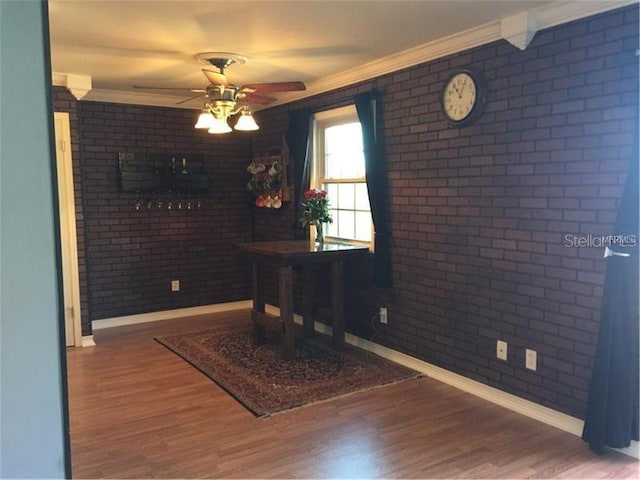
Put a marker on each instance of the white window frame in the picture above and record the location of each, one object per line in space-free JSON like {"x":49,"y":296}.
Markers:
{"x":321,"y":121}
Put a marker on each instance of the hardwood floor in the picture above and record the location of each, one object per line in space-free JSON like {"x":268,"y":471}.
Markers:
{"x":139,"y":411}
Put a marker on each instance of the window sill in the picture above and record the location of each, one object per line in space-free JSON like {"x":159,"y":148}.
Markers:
{"x":346,"y":241}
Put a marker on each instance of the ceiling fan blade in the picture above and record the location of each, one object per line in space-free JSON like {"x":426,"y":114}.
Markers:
{"x":216,"y":78}
{"x":191,"y":98}
{"x":274,"y":87}
{"x":175,"y":89}
{"x":259,"y":99}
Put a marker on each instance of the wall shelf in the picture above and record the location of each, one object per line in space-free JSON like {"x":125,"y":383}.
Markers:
{"x":269,"y":184}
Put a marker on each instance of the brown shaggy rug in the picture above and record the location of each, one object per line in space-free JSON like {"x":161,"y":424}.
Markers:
{"x":266,"y":384}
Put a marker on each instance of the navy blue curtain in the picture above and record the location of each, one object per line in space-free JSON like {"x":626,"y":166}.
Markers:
{"x":377,"y":185}
{"x":612,"y":407}
{"x":297,"y":138}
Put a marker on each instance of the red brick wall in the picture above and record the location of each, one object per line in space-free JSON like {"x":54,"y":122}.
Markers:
{"x":479,"y":213}
{"x":132,"y":256}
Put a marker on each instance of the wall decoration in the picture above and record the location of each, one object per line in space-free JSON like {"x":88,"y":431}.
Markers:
{"x":463,"y":96}
{"x":268,"y":179}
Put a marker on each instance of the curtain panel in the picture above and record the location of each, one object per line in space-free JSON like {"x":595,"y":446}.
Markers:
{"x":612,"y":406}
{"x":377,"y":185}
{"x":297,"y":138}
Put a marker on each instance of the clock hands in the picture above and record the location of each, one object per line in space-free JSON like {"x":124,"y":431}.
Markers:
{"x":459,"y":92}
{"x":464,"y":83}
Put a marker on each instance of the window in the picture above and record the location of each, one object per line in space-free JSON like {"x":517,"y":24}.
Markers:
{"x":338,"y":168}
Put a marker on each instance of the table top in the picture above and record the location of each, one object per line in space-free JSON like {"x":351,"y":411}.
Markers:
{"x":301,"y":250}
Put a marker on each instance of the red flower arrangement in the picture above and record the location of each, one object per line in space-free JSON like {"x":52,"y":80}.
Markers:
{"x":316,"y":208}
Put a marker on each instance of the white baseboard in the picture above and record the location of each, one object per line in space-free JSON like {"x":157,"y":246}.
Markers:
{"x":517,"y":404}
{"x":169,"y":314}
{"x":632,"y":450}
{"x":87,"y":341}
{"x":512,"y":402}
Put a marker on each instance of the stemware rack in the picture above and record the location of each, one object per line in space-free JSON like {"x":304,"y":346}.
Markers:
{"x":170,"y":179}
{"x":160,"y":173}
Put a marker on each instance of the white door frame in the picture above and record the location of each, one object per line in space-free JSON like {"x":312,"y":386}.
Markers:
{"x":68,"y":235}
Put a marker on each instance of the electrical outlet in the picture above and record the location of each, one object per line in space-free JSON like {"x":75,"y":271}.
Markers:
{"x":383,"y":315}
{"x":531,"y":361}
{"x":501,"y":350}
{"x":175,"y":285}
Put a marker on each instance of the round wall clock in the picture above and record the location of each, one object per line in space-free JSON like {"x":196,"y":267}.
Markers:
{"x":463,"y":96}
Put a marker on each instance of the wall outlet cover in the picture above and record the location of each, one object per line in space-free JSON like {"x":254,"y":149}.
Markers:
{"x":531,"y":360}
{"x":501,"y":350}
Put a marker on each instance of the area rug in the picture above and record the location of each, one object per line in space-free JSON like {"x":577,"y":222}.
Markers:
{"x":261,"y":380}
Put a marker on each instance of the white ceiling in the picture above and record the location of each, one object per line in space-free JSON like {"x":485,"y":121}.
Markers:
{"x":120,"y":44}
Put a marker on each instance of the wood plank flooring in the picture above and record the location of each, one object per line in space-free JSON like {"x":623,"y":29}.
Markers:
{"x":139,"y":411}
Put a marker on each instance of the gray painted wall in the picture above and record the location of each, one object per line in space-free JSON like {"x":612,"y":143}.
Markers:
{"x":31,"y":401}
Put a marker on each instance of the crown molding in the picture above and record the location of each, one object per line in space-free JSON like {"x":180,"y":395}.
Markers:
{"x":78,"y":85}
{"x":457,"y":42}
{"x":559,"y":13}
{"x":529,"y":22}
{"x":81,"y":88}
{"x":518,"y":29}
{"x":136,"y":98}
{"x":59,"y":79}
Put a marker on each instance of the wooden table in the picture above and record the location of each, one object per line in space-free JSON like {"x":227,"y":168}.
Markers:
{"x":285,"y":255}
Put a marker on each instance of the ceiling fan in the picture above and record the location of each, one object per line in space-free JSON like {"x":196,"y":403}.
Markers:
{"x":223,"y":98}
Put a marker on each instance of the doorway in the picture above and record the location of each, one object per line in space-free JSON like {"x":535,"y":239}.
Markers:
{"x":68,"y":239}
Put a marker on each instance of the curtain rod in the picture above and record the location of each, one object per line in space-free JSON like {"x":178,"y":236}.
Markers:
{"x":340,"y":103}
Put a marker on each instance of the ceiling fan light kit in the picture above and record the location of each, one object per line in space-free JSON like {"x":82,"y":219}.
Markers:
{"x":223,"y":98}
{"x":214,"y":117}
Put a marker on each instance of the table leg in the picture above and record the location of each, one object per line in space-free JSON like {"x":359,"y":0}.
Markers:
{"x":308,"y":296}
{"x":287,"y":342}
{"x":258,"y":305}
{"x":337,"y":303}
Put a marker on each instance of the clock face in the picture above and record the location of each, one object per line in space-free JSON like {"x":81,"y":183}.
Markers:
{"x":460,"y":97}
